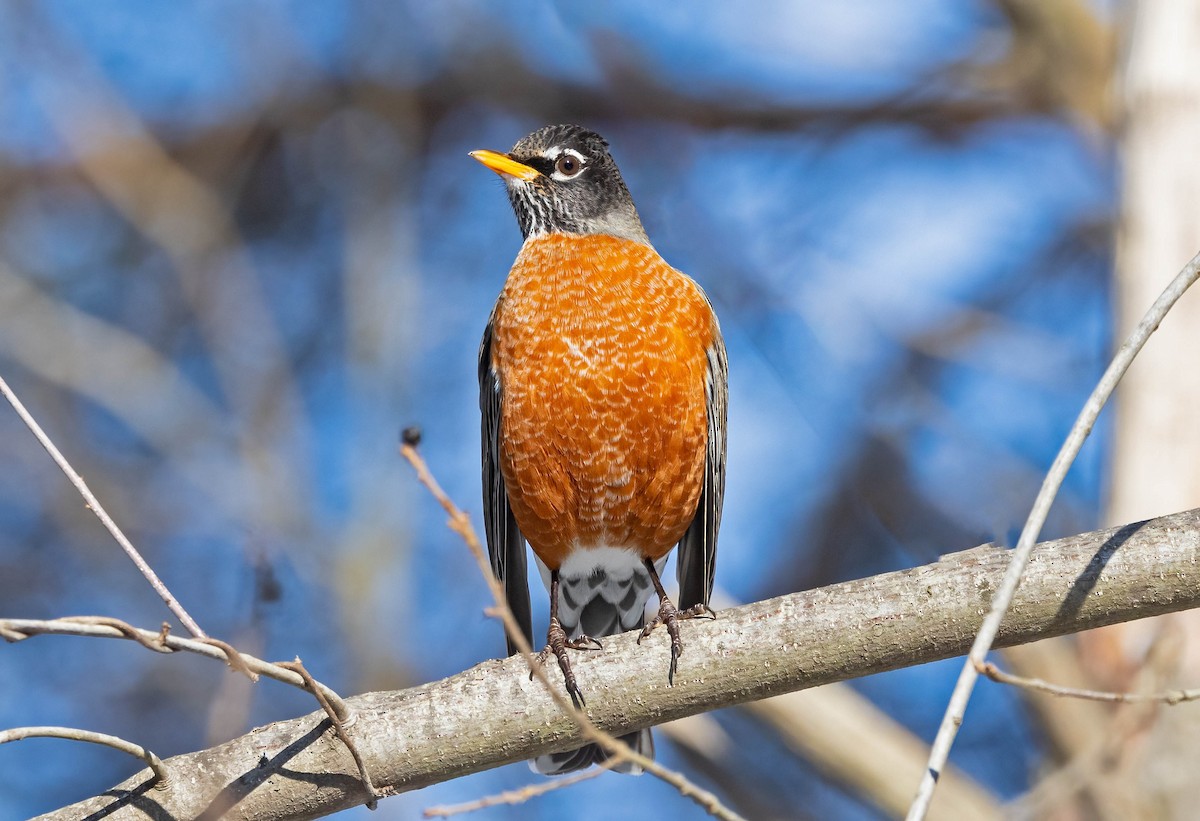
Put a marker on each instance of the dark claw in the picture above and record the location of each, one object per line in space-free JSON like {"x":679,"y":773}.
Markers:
{"x":585,"y":642}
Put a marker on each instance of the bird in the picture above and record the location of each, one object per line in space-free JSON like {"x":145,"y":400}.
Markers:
{"x":603,"y":392}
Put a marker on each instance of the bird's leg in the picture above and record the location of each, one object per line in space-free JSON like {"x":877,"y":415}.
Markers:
{"x":557,"y":643}
{"x":670,"y":616}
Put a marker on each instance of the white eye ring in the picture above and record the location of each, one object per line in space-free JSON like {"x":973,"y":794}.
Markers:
{"x":568,"y":164}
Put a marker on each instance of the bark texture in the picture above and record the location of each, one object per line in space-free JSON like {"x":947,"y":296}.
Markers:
{"x":492,"y":714}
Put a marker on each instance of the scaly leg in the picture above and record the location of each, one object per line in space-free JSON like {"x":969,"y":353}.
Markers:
{"x":557,"y":643}
{"x":670,"y":616}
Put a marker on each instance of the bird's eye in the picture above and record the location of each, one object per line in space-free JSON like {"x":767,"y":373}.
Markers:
{"x":568,"y":165}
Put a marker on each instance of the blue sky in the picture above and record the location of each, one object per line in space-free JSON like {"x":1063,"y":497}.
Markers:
{"x":884,"y":288}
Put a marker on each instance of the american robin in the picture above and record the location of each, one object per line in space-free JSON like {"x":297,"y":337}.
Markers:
{"x":602,"y":382}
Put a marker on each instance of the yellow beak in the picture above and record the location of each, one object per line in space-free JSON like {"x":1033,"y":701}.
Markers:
{"x":505,"y":165}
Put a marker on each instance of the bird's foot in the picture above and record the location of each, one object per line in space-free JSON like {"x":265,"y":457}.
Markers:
{"x":670,"y":616}
{"x":558,"y":645}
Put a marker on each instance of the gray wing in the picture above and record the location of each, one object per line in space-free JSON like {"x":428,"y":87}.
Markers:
{"x":698,"y":547}
{"x":506,"y":545}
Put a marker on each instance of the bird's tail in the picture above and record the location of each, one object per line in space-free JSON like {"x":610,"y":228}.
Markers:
{"x":589,"y":754}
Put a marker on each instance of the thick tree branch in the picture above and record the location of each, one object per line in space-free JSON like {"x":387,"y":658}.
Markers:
{"x":492,"y":714}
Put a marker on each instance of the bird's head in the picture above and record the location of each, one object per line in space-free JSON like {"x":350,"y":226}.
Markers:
{"x":561,"y":179}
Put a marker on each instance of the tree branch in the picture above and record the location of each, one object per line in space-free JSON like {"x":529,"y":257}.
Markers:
{"x":492,"y":714}
{"x":1013,"y":576}
{"x":93,"y":504}
{"x":161,"y":778}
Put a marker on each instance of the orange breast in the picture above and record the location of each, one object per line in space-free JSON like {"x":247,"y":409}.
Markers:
{"x":601,"y":348}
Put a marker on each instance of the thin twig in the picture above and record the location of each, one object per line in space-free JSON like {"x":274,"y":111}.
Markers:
{"x":287,"y":672}
{"x":72,"y":734}
{"x":104,"y":627}
{"x":1096,"y":767}
{"x":94,"y":505}
{"x":522,"y":795}
{"x":1169,"y":697}
{"x":233,"y":658}
{"x":340,"y":718}
{"x":957,"y":706}
{"x":460,"y":523}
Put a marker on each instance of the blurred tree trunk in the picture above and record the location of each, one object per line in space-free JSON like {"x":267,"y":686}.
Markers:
{"x":1156,"y":461}
{"x":1156,"y":465}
